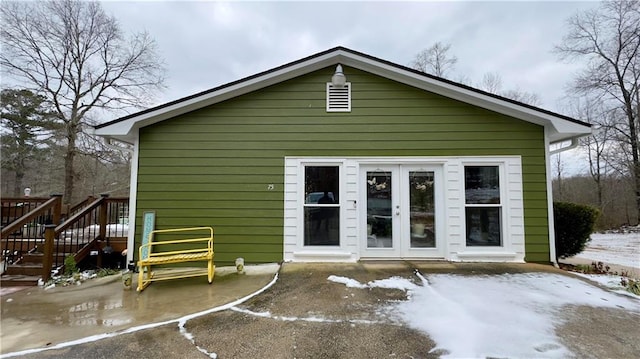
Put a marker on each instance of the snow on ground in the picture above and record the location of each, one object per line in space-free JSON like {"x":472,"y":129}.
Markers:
{"x":610,"y":281}
{"x":393,"y":283}
{"x":509,"y":315}
{"x":614,"y":248}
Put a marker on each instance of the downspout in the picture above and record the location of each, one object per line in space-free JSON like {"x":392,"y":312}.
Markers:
{"x":551,"y":223}
{"x":548,"y":152}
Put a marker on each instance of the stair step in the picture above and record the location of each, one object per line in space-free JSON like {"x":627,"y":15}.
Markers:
{"x":18,"y":280}
{"x":38,"y":258}
{"x":29,"y":269}
{"x":32,"y":258}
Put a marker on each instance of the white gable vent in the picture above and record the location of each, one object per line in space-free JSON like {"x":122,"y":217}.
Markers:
{"x":338,"y":97}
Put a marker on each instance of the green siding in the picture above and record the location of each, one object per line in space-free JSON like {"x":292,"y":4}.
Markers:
{"x":212,"y":166}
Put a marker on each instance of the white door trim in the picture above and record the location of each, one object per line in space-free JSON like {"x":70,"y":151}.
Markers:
{"x":406,"y":251}
{"x":452,"y":230}
{"x":400,"y":212}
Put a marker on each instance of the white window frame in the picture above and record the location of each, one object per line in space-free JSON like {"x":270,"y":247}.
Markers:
{"x":453,"y":230}
{"x":504,"y":210}
{"x":303,"y":205}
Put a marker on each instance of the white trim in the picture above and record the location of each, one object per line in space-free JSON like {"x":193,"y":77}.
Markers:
{"x":294,"y":211}
{"x":380,"y":252}
{"x":560,"y":128}
{"x":453,"y":245}
{"x":338,"y":105}
{"x":133,"y":193}
{"x":551,"y":223}
{"x":573,"y":144}
{"x":505,"y":241}
{"x":401,"y":246}
{"x":512,"y":246}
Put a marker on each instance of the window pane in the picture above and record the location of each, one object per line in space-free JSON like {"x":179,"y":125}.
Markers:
{"x":422,"y":216}
{"x":483,"y":226}
{"x":321,"y":182}
{"x":321,"y":209}
{"x":321,"y":226}
{"x":482,"y":185}
{"x":379,"y":227}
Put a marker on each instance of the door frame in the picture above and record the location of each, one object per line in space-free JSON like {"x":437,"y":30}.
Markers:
{"x":401,"y":241}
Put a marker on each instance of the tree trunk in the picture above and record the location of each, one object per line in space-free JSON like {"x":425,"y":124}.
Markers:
{"x":17,"y":189}
{"x":633,"y":138}
{"x":68,"y":164}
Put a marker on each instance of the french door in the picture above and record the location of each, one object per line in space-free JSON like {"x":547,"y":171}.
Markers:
{"x":401,"y":216}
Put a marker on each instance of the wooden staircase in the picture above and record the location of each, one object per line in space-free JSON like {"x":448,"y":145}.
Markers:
{"x":28,"y":270}
{"x":28,"y":257}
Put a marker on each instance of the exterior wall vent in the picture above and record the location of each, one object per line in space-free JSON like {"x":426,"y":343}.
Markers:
{"x":338,"y":98}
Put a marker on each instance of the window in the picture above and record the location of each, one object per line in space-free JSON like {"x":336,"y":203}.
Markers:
{"x":321,"y":206}
{"x":483,"y":207}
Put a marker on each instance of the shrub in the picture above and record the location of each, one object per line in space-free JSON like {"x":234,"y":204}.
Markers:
{"x":573,"y":226}
{"x":631,"y":285}
{"x":70,"y":265}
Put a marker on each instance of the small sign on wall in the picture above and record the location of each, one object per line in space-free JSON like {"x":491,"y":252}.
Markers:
{"x":148,"y":225}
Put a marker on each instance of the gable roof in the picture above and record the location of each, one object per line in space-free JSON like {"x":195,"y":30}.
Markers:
{"x":560,"y":127}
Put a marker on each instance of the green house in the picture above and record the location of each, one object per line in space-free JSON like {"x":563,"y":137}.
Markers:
{"x":341,"y":156}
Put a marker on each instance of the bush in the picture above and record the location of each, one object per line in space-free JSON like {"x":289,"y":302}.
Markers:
{"x":70,"y":266}
{"x":573,"y":226}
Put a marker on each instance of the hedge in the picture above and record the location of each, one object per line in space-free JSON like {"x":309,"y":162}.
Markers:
{"x":573,"y":226}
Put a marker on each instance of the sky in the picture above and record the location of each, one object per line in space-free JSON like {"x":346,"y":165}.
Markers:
{"x":205,"y":44}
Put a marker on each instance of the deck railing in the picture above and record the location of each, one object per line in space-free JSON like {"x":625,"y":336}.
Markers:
{"x":100,"y":220}
{"x":87,"y":228}
{"x":23,"y":224}
{"x":16,"y":207}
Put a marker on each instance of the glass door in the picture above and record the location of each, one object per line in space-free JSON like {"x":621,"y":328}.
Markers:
{"x":422,"y":215}
{"x":382,"y":210}
{"x":403,"y":214}
{"x":422,"y":209}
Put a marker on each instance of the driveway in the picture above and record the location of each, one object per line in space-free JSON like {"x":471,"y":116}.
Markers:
{"x":302,"y":314}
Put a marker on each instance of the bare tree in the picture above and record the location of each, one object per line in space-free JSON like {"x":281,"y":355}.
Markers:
{"x":559,"y":168}
{"x":75,"y":54}
{"x":609,"y":39}
{"x":435,"y":60}
{"x":492,"y":82}
{"x":597,"y":146}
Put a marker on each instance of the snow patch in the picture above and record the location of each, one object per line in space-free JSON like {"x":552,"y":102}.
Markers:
{"x":313,"y":319}
{"x":389,"y":283}
{"x":510,"y":315}
{"x":613,"y":248}
{"x":351,"y":283}
{"x":610,"y":281}
{"x":393,"y":283}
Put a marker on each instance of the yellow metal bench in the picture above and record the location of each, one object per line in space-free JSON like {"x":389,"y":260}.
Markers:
{"x":196,"y":247}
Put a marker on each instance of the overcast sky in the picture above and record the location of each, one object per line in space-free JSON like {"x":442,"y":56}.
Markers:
{"x":206,"y":44}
